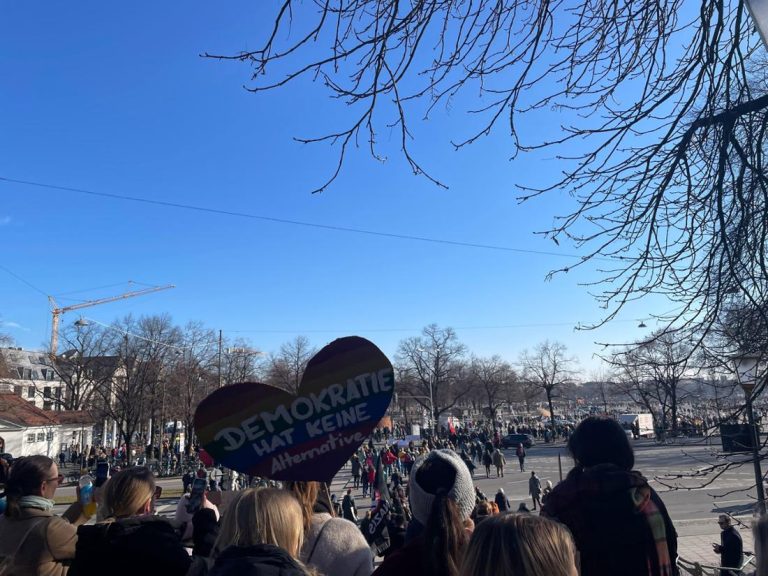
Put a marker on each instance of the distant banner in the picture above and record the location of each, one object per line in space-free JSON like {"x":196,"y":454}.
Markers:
{"x":265,"y":431}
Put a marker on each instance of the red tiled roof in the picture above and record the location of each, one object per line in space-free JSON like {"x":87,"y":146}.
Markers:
{"x":75,"y":417}
{"x":15,"y":409}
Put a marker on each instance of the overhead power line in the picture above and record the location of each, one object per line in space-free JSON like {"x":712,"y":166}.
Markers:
{"x":238,"y":214}
{"x":20,"y":279}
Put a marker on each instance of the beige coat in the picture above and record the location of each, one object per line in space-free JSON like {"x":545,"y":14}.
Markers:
{"x":48,"y":548}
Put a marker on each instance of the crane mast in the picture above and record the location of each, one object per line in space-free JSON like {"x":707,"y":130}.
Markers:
{"x":57,"y":312}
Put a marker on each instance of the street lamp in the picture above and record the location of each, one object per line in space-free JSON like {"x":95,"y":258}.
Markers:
{"x":746,"y":372}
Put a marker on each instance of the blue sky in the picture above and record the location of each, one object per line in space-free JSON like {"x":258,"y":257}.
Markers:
{"x":116,"y":99}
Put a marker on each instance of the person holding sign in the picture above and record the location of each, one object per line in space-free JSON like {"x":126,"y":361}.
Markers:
{"x":333,"y":546}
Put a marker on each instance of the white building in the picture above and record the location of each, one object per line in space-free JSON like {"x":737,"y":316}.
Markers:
{"x":29,"y":375}
{"x":26,"y":430}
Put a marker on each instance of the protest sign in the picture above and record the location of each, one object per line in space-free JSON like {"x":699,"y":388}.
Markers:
{"x":265,"y":431}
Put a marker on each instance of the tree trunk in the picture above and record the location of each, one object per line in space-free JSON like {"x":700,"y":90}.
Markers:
{"x":551,"y":409}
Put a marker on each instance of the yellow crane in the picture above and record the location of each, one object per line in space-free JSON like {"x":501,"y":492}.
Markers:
{"x":57,"y":312}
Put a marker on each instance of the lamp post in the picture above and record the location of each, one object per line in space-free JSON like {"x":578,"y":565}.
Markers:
{"x":746,"y":372}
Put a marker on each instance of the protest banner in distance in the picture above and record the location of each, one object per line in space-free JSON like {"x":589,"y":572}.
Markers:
{"x":265,"y":431}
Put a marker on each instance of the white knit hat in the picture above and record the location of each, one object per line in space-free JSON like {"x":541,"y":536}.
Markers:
{"x":462,"y":492}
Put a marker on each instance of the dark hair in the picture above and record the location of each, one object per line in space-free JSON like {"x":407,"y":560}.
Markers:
{"x":601,"y":440}
{"x":444,"y":535}
{"x":26,"y":476}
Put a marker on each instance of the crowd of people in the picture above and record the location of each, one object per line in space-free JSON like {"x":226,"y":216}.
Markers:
{"x":427,"y":518}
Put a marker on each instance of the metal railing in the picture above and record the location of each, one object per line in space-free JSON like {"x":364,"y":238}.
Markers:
{"x":699,"y":569}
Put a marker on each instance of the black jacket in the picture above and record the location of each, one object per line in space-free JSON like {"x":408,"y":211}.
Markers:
{"x":128,"y":547}
{"x":731,"y":548}
{"x":257,"y":560}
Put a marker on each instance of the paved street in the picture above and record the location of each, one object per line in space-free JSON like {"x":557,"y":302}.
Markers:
{"x":692,"y":506}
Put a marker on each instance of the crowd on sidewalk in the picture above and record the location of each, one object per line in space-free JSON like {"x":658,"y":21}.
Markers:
{"x":426,"y":518}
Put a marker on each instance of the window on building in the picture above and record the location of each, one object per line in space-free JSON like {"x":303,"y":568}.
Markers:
{"x":30,"y":437}
{"x":47,"y":405}
{"x":31,"y":392}
{"x":47,"y":392}
{"x":41,"y":436}
{"x":18,"y":390}
{"x":49,"y":436}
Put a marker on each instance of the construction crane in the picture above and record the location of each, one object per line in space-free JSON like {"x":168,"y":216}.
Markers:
{"x":57,"y":312}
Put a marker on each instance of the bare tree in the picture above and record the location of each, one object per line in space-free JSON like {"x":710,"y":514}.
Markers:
{"x":492,"y":377}
{"x":144,"y":346}
{"x":670,"y":181}
{"x":86,"y":367}
{"x":286,"y":368}
{"x":432,"y":366}
{"x":241,"y":362}
{"x":191,"y":375}
{"x":548,"y":367}
{"x":651,"y":372}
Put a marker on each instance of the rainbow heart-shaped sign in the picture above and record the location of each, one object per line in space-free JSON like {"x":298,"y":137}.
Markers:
{"x":265,"y":431}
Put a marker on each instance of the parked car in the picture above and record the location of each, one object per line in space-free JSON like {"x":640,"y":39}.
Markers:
{"x":512,"y":440}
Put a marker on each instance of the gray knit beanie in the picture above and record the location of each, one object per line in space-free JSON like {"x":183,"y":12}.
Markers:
{"x":462,"y":492}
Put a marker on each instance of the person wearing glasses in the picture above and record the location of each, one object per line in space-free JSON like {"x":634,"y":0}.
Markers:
{"x":730,"y":547}
{"x":32,"y":540}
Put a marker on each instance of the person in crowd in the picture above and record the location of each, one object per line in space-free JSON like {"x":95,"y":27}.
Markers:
{"x":214,"y":478}
{"x":467,"y":459}
{"x":523,"y":508}
{"x":442,"y":498}
{"x":520,"y":452}
{"x":546,"y":492}
{"x":534,"y":489}
{"x":355,"y":464}
{"x":128,"y":531}
{"x":520,"y":545}
{"x":365,"y":482}
{"x":483,"y":510}
{"x":372,"y":482}
{"x":348,"y":508}
{"x":502,"y":501}
{"x":396,"y":529}
{"x":618,"y":522}
{"x":731,"y":548}
{"x":331,"y":545}
{"x":499,"y":461}
{"x":183,"y":515}
{"x":261,"y":535}
{"x":487,"y":461}
{"x":32,"y":540}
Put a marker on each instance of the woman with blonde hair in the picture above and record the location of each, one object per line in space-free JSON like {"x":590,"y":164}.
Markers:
{"x":520,"y":545}
{"x":261,"y":534}
{"x":127,"y":530}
